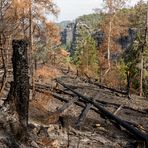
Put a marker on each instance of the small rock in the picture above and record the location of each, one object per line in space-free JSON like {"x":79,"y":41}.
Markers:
{"x":5,"y":109}
{"x":97,"y":125}
{"x":47,"y":142}
{"x":34,"y":144}
{"x":51,"y":128}
{"x":117,"y":145}
{"x":4,"y":98}
{"x":1,"y":102}
{"x":55,"y":144}
{"x":3,"y":145}
{"x":85,"y":140}
{"x":102,"y":128}
{"x":23,"y":146}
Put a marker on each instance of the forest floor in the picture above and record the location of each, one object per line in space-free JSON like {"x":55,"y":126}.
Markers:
{"x":50,"y":129}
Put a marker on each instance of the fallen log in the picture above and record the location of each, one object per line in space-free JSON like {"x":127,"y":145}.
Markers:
{"x":124,"y":106}
{"x":105,"y":87}
{"x":60,"y":91}
{"x":59,"y":97}
{"x":83,"y":115}
{"x":133,"y":131}
{"x":101,"y":102}
{"x":64,"y":92}
{"x":88,"y":80}
{"x":43,"y":86}
{"x":80,"y":104}
{"x":111,"y":89}
{"x":67,"y":105}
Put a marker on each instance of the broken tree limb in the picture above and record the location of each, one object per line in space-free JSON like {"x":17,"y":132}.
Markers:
{"x":80,"y":104}
{"x":59,"y":97}
{"x":83,"y":115}
{"x":111,"y":89}
{"x":43,"y":86}
{"x":21,"y":80}
{"x":67,"y":105}
{"x":118,"y":105}
{"x":105,"y":87}
{"x":133,"y":131}
{"x":60,"y":91}
{"x":118,"y":109}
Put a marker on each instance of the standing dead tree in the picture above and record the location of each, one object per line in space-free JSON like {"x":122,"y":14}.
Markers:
{"x":21,"y":80}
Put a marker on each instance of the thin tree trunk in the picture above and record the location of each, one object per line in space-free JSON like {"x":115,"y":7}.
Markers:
{"x":2,"y":50}
{"x":141,"y":76}
{"x":109,"y":44}
{"x":109,"y":35}
{"x":31,"y":50}
{"x":23,"y":24}
{"x":142,"y":52}
{"x":128,"y":84}
{"x":108,"y":48}
{"x":35,"y":64}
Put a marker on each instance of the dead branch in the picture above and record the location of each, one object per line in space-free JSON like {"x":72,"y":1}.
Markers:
{"x":67,"y":105}
{"x":133,"y":131}
{"x":83,"y":115}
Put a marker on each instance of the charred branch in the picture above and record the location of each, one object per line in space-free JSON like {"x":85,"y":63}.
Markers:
{"x":133,"y":131}
{"x":67,"y":105}
{"x":83,"y":115}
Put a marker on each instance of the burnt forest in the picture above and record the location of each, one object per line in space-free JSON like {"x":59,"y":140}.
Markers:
{"x":76,"y":82}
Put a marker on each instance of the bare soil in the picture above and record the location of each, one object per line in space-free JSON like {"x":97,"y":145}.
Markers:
{"x":47,"y":131}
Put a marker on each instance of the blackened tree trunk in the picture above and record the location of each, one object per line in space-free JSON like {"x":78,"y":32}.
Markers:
{"x":128,"y":84}
{"x":21,"y":80}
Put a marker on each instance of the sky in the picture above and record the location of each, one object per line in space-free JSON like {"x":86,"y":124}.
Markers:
{"x":71,"y":9}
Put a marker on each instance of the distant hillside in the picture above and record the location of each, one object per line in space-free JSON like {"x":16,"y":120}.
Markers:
{"x":63,"y":24}
{"x":91,"y":20}
{"x":71,"y":32}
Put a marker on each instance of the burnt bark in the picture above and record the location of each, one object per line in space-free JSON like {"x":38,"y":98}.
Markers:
{"x":83,"y":115}
{"x":128,"y":84}
{"x":67,"y":105}
{"x":41,"y":88}
{"x":21,"y":80}
{"x":5,"y":70}
{"x":133,"y":131}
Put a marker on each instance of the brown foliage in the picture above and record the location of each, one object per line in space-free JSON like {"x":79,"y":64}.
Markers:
{"x":52,"y":33}
{"x":113,"y":79}
{"x":46,"y":72}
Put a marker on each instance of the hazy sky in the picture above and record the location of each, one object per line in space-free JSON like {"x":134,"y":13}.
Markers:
{"x":71,"y":9}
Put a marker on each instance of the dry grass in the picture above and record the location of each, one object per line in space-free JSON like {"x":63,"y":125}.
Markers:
{"x":87,"y":71}
{"x":63,"y":53}
{"x":46,"y":72}
{"x":113,"y":79}
{"x":44,"y":100}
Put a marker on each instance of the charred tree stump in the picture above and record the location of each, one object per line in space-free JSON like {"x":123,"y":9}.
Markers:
{"x":21,"y":80}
